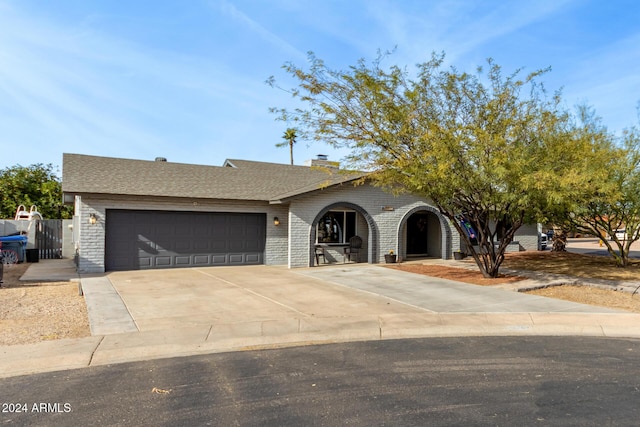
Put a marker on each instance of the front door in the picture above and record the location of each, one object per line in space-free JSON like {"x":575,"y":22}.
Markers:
{"x":424,"y":235}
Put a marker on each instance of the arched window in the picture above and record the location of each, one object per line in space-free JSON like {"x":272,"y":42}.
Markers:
{"x":336,"y":226}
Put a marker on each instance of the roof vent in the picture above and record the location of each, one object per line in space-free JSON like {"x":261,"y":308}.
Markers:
{"x":161,"y":159}
{"x":322,"y":157}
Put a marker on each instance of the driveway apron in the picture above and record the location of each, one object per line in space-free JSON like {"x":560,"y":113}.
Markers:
{"x":164,"y":299}
{"x":159,"y":299}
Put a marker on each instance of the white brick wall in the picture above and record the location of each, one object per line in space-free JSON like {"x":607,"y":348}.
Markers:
{"x":385,"y":224}
{"x":528,"y":237}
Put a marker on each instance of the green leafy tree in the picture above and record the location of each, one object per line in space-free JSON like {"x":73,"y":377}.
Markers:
{"x":477,"y":145}
{"x":612,"y":202}
{"x":32,"y":185}
{"x":290,"y":136}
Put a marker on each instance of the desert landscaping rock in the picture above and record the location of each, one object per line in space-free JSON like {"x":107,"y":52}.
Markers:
{"x":34,"y":312}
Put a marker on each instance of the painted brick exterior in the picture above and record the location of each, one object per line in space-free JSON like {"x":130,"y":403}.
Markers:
{"x":385,"y":213}
{"x":381,"y":222}
{"x":529,"y":237}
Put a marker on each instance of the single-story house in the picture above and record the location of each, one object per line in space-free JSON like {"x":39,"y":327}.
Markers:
{"x":139,"y":214}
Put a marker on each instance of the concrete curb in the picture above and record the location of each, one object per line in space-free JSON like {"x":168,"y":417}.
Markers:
{"x":203,"y":339}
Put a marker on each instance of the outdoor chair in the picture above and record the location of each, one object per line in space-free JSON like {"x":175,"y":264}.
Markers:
{"x":355,"y":244}
{"x":319,"y":251}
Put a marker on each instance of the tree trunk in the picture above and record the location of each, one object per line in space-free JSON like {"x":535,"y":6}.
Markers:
{"x":291,"y":151}
{"x":489,"y":259}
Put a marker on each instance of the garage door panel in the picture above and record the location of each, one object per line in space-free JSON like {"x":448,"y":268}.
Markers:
{"x":252,"y":259}
{"x":201,"y":259}
{"x":162,"y":261}
{"x":183,"y":261}
{"x":140,"y":247}
{"x":183,"y":245}
{"x":166,"y":239}
{"x":120,"y":262}
{"x":201,"y":246}
{"x":253,"y":244}
{"x":161,"y":243}
{"x":219,"y":260}
{"x":185,"y":229}
{"x":217,"y":245}
{"x":236,"y":245}
{"x":235,"y":259}
{"x":144,"y":262}
{"x":219,"y":223}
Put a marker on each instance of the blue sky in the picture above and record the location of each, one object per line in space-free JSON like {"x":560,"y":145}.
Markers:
{"x":185,"y":79}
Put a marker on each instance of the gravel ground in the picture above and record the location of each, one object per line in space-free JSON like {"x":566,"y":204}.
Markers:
{"x":34,"y":312}
{"x":592,"y":296}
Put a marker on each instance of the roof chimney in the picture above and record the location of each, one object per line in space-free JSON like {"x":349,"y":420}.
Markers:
{"x":322,"y":161}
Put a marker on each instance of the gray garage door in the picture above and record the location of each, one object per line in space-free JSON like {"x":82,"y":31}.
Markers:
{"x":137,"y":240}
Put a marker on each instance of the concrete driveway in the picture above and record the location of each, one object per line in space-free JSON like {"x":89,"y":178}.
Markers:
{"x":160,"y":299}
{"x":145,"y":315}
{"x":164,"y":299}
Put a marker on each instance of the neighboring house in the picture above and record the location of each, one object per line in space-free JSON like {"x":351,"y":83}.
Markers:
{"x":137,"y":214}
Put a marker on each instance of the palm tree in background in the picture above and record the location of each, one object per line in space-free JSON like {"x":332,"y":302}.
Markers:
{"x":289,"y":137}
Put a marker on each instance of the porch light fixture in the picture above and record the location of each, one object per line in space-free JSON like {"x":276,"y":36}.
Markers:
{"x":276,"y":221}
{"x":93,"y":219}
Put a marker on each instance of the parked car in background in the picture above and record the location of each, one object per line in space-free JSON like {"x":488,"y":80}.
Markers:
{"x":550,"y":233}
{"x":543,"y":241}
{"x":621,"y":235}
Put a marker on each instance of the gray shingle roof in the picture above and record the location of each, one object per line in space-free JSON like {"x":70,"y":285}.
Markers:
{"x":238,"y":180}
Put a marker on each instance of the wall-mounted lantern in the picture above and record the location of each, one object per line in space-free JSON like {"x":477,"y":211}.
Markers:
{"x":276,"y":221}
{"x":93,"y":219}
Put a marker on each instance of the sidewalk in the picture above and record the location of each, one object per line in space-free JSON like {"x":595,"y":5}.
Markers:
{"x":295,"y":329}
{"x":137,"y":346}
{"x":51,"y":270}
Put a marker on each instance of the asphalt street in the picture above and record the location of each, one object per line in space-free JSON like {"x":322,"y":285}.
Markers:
{"x":436,"y":381}
{"x":591,"y":246}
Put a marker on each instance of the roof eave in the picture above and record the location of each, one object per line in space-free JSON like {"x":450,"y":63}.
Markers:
{"x":97,"y":194}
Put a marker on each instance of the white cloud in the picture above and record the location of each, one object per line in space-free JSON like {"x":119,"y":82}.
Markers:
{"x":242,"y":18}
{"x":85,"y":91}
{"x":456,"y":27}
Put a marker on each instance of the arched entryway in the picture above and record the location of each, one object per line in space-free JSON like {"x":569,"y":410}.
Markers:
{"x":346,"y":219}
{"x":424,"y":233}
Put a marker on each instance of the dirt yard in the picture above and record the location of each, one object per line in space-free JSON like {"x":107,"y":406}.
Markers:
{"x":34,"y":312}
{"x":586,"y":266}
{"x":452,"y":273}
